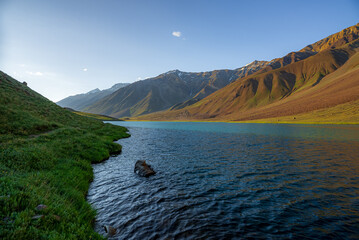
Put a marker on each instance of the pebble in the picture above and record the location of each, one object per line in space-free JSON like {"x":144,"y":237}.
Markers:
{"x":40,"y":207}
{"x":37,"y":217}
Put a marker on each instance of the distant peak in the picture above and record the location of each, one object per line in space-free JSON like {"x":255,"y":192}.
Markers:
{"x":116,"y":87}
{"x":120,"y":85}
{"x":173,"y":71}
{"x":255,"y":63}
{"x":94,"y":91}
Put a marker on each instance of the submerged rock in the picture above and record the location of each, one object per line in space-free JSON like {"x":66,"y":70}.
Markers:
{"x":143,"y":169}
{"x":110,"y":230}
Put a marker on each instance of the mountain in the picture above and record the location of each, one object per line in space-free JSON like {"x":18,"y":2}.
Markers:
{"x":161,"y":92}
{"x":176,"y":89}
{"x":81,"y":101}
{"x":326,"y":77}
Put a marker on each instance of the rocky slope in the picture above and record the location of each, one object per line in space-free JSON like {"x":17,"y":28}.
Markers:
{"x":80,"y":101}
{"x":175,"y":89}
{"x":286,"y":86}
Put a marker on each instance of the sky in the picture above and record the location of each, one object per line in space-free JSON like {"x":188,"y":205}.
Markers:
{"x":62,"y":48}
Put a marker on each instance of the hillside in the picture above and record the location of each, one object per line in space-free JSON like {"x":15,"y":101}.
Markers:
{"x":81,"y":101}
{"x":322,"y":80}
{"x":45,"y":158}
{"x":176,"y":90}
{"x":161,"y":92}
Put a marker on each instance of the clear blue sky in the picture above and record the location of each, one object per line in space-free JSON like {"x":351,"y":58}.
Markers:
{"x":67,"y":47}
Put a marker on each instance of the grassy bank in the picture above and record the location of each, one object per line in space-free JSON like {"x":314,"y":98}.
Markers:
{"x":45,"y":158}
{"x":346,"y":113}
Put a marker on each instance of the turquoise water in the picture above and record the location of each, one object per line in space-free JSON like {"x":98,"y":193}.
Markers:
{"x":231,"y":181}
{"x":308,"y":131}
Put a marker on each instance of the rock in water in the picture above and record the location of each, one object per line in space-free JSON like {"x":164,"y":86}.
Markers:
{"x":143,"y":169}
{"x":111,"y":231}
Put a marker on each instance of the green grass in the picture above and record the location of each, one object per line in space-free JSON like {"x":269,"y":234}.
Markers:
{"x":45,"y":158}
{"x":346,"y":113}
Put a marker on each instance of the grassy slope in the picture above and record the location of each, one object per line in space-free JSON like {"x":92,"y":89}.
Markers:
{"x":45,"y":158}
{"x":96,"y":116}
{"x":334,"y":99}
{"x":346,"y":113}
{"x":158,"y":93}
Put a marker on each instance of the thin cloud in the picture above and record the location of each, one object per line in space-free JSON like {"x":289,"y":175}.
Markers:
{"x":85,"y":69}
{"x":176,"y":34}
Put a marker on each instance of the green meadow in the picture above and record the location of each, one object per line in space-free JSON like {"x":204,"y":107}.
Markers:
{"x":45,"y":158}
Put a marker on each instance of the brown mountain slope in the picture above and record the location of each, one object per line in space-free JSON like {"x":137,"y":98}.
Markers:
{"x":339,"y":87}
{"x":304,"y":86}
{"x":174,"y":90}
{"x":81,"y":101}
{"x":161,"y":92}
{"x":335,"y":40}
{"x":177,"y":90}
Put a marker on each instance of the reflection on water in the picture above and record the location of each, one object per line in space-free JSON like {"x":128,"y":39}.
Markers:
{"x":218,"y":184}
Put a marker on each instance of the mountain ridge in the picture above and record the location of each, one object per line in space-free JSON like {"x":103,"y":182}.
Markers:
{"x":80,"y":101}
{"x":256,"y":96}
{"x":175,"y":90}
{"x":194,"y":87}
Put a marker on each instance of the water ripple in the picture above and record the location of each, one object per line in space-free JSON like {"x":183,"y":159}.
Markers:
{"x":229,"y":186}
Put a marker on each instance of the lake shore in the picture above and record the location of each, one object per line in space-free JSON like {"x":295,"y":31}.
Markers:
{"x":272,"y":121}
{"x":341,"y":114}
{"x":53,"y":170}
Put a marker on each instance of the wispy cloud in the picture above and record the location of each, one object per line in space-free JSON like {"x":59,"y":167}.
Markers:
{"x":34,"y":73}
{"x":85,"y":69}
{"x":176,"y":34}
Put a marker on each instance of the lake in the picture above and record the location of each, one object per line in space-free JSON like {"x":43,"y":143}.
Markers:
{"x":231,"y":181}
